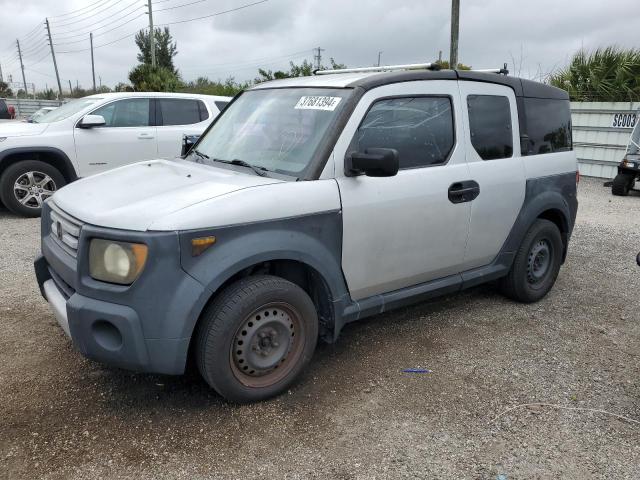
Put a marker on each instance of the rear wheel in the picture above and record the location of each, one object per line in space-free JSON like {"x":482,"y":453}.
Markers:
{"x":256,"y":337}
{"x":536,"y":265}
{"x":622,"y":183}
{"x":24,"y":186}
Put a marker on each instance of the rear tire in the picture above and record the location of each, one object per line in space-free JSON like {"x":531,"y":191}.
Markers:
{"x":255,"y":338}
{"x":26,"y":184}
{"x":536,"y":265}
{"x":622,"y":183}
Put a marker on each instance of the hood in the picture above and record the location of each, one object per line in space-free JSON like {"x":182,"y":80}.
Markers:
{"x":133,"y":197}
{"x":21,"y":129}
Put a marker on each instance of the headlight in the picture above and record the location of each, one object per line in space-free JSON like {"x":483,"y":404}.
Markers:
{"x":116,"y":262}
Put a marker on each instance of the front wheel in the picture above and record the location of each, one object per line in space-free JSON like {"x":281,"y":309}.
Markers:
{"x":25,"y":185}
{"x":536,"y":265}
{"x":256,"y":337}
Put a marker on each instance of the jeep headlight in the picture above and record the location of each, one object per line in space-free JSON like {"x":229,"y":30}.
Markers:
{"x":116,"y":262}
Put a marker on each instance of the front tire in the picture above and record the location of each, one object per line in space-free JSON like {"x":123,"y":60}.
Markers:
{"x":25,"y":185}
{"x":255,"y":338}
{"x":536,"y":265}
{"x":622,"y":183}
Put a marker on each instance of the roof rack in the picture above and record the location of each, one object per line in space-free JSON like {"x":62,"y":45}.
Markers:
{"x":382,"y":68}
{"x":410,"y":66}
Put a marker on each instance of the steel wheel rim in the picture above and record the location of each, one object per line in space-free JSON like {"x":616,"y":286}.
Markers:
{"x":32,"y":188}
{"x":267,"y":345}
{"x":539,"y":262}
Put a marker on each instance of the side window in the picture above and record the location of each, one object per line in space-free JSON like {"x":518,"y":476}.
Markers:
{"x":490,"y":125}
{"x":177,"y":111}
{"x":548,"y":125}
{"x":221,"y":105}
{"x":132,"y":112}
{"x":419,"y":128}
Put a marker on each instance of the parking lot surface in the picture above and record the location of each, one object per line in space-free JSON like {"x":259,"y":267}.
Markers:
{"x":355,"y":414}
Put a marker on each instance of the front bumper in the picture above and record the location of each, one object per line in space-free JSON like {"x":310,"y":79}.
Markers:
{"x":144,"y":327}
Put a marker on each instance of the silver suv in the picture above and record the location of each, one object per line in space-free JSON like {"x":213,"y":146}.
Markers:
{"x":310,"y":203}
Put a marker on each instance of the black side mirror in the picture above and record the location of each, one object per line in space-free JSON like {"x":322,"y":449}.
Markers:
{"x":638,"y":259}
{"x":524,"y":144}
{"x":188,"y":141}
{"x":374,"y":162}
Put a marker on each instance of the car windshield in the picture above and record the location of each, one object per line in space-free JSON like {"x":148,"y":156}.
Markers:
{"x":279,"y":130}
{"x":66,"y":110}
{"x":634,"y":142}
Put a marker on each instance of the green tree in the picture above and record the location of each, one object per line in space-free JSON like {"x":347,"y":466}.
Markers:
{"x":5,"y":91}
{"x":146,"y":78}
{"x":48,"y":94}
{"x":444,"y":64}
{"x":205,"y":86}
{"x":607,"y":74}
{"x":166,"y":48}
{"x":305,"y":69}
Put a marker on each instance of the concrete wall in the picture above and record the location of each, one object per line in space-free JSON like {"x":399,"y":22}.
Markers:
{"x":601,"y":132}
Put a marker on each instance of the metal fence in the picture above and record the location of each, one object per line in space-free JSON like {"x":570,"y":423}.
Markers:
{"x":26,"y":107}
{"x":601,"y":132}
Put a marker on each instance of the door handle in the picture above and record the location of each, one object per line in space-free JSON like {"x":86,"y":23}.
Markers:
{"x":145,"y":136}
{"x":466,"y":191}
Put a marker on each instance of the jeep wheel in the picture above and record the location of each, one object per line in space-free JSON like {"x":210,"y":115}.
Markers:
{"x":622,"y":184}
{"x":255,"y":338}
{"x":536,"y":265}
{"x":24,"y":186}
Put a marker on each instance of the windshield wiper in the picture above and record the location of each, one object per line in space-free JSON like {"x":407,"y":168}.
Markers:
{"x":200,"y":154}
{"x":261,"y":171}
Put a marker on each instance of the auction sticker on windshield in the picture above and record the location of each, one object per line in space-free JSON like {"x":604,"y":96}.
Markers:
{"x":318,"y":103}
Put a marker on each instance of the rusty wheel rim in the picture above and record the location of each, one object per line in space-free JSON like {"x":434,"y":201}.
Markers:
{"x":267,"y":345}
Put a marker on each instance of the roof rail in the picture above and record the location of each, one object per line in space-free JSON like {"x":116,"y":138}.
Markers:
{"x":502,"y":70}
{"x":382,"y":68}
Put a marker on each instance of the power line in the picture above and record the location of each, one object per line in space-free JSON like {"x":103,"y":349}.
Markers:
{"x":95,"y":14}
{"x":99,"y":34}
{"x":180,"y":6}
{"x":74,"y":13}
{"x":100,"y":46}
{"x":85,"y":27}
{"x":212,"y":15}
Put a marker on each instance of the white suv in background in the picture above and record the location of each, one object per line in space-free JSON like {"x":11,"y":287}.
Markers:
{"x":94,"y":134}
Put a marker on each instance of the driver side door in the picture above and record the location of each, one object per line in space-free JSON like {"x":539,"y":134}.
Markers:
{"x":127,"y":136}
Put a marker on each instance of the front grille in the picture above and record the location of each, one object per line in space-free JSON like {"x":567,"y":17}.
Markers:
{"x":65,"y":230}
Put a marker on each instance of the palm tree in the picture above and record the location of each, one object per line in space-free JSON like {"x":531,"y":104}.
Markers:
{"x":604,"y":75}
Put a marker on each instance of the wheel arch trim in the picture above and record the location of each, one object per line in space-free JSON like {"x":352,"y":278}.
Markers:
{"x":70,"y":170}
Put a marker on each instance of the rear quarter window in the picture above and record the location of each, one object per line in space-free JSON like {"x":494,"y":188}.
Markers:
{"x":178,"y":111}
{"x":548,"y":125}
{"x":221,"y":104}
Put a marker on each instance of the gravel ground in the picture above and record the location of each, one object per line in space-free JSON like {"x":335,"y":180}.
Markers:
{"x":354,"y":414}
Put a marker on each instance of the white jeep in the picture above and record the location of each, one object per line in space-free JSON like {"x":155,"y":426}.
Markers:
{"x":310,"y":203}
{"x":91,"y":135}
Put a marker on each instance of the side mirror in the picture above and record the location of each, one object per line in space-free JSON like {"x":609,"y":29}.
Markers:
{"x":638,"y":259}
{"x":188,"y":141}
{"x":374,"y":162}
{"x":90,"y":121}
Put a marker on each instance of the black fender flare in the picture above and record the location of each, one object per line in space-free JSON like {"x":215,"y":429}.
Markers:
{"x":69,"y":173}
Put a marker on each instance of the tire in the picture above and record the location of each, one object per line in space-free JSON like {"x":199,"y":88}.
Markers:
{"x":622,"y":183}
{"x":255,"y":338}
{"x":536,"y":265}
{"x":26,"y":184}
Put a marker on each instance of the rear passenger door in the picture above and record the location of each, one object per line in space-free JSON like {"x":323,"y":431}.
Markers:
{"x":492,"y":141}
{"x":404,"y":230}
{"x":176,"y":117}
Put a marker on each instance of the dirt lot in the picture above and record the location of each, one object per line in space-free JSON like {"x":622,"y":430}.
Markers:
{"x":355,"y":415}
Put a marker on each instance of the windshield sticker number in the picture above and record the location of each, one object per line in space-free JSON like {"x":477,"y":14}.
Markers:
{"x":318,"y":103}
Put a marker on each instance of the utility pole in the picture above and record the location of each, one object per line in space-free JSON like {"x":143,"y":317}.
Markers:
{"x":93,"y":68}
{"x":24,"y":81}
{"x":70,"y":88}
{"x":318,"y":57}
{"x":1,"y":79}
{"x":379,"y":55}
{"x":152,"y":35}
{"x":53,"y":56}
{"x":455,"y":28}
